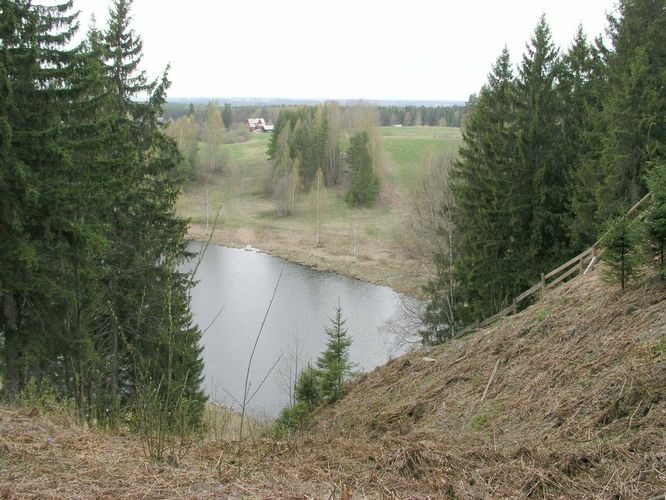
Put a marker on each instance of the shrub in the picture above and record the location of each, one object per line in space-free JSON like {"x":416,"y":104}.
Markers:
{"x":292,"y":419}
{"x":307,"y":387}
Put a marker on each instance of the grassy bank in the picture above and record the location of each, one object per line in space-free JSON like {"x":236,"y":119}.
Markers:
{"x":370,"y":243}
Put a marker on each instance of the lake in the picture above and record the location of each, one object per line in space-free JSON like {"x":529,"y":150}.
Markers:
{"x":230,"y":301}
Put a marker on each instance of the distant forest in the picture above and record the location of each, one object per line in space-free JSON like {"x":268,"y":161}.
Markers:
{"x":441,"y":116}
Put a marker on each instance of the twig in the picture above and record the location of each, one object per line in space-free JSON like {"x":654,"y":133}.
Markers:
{"x":609,"y":481}
{"x":460,"y":359}
{"x":634,"y":413}
{"x":202,"y":252}
{"x":212,"y":322}
{"x":247,"y":372}
{"x":490,"y":381}
{"x":236,"y":400}
{"x":264,"y":379}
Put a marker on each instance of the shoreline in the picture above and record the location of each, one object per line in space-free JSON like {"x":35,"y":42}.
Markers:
{"x":401,"y":278}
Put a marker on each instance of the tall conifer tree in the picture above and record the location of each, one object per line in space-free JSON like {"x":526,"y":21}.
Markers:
{"x":488,"y":190}
{"x":635,"y":106}
{"x":584,"y":88}
{"x":148,"y":237}
{"x":35,"y":229}
{"x":542,"y":144}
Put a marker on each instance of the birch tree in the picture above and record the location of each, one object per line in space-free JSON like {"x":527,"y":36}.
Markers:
{"x":213,"y":133}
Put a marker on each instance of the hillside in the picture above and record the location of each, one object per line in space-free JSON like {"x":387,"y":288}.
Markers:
{"x":576,"y":408}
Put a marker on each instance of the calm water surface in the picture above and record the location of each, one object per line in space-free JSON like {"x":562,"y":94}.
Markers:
{"x":239,"y":283}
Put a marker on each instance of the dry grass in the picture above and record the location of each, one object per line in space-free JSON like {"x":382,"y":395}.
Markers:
{"x":576,"y":409}
{"x":42,"y":460}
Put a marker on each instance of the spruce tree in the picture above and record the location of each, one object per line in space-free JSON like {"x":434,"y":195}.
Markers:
{"x":364,"y":186}
{"x":635,"y":105}
{"x":227,"y":116}
{"x":623,"y":252}
{"x":542,"y":145}
{"x":334,"y":363}
{"x":35,"y":225}
{"x":584,"y":88}
{"x":88,"y":236}
{"x":489,"y":194}
{"x":148,"y":238}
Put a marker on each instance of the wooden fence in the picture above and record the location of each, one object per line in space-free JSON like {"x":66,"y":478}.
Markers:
{"x":580,"y":264}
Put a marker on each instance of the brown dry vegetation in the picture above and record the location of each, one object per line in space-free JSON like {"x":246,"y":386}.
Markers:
{"x":576,"y":409}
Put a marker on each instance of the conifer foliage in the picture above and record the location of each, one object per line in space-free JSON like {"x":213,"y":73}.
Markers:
{"x":548,"y":154}
{"x":364,"y":186}
{"x":489,"y":190}
{"x":622,"y":250}
{"x":656,"y":221}
{"x":334,"y":363}
{"x":323,"y":383}
{"x":92,"y":300}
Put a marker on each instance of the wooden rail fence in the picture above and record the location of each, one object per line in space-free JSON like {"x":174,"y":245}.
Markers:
{"x":580,"y":264}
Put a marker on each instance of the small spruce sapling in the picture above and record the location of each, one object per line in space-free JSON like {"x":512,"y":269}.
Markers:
{"x":334,"y":363}
{"x":623,"y":253}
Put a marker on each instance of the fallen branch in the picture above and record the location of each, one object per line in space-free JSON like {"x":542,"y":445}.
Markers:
{"x":490,"y":381}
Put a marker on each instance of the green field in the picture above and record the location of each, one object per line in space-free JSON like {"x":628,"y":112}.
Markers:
{"x":406,"y":148}
{"x":368,"y":243}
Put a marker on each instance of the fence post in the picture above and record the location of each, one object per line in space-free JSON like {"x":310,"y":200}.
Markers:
{"x":580,"y":265}
{"x":514,"y":307}
{"x":543,"y":281}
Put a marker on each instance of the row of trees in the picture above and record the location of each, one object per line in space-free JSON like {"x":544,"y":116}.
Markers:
{"x":548,"y":154}
{"x":199,"y":139}
{"x":408,"y":115}
{"x":417,"y":116}
{"x":309,"y":143}
{"x":93,"y":304}
{"x":232,"y":115}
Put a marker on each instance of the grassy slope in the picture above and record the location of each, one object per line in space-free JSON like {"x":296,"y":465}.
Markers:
{"x":381,"y":251}
{"x":576,"y":409}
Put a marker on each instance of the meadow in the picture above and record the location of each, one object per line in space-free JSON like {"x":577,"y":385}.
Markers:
{"x":367,"y":243}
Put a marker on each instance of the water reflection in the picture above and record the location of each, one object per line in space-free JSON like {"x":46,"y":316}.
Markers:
{"x":240,"y":283}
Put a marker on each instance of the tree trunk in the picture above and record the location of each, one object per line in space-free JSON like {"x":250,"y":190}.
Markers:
{"x":13,"y":380}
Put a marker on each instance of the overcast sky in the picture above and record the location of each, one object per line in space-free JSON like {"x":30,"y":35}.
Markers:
{"x":343,"y":49}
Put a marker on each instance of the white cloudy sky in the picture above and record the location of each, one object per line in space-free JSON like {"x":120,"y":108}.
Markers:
{"x":343,"y":49}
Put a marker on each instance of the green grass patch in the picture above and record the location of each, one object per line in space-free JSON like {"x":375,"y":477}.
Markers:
{"x":542,"y":314}
{"x":485,"y":416}
{"x":406,"y":149}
